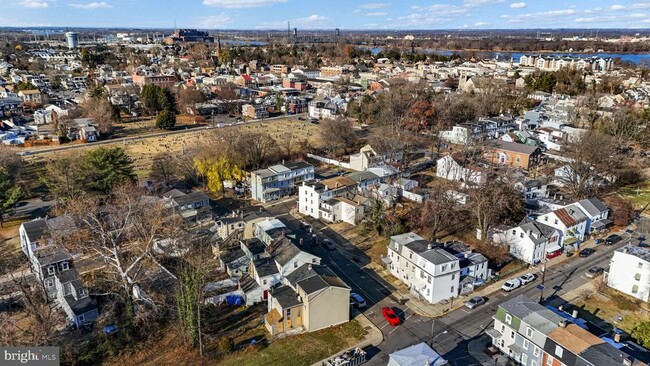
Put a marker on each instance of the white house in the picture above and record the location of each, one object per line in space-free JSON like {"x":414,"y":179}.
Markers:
{"x":530,"y":241}
{"x":450,"y":169}
{"x":431,"y":273}
{"x":570,"y":221}
{"x":312,"y":195}
{"x":629,"y":271}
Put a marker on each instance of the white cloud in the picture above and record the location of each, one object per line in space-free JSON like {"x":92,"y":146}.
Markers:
{"x":554,"y":13}
{"x":617,"y":7}
{"x":93,"y":5}
{"x":374,"y":5}
{"x":35,"y":4}
{"x":520,"y":5}
{"x":481,"y":24}
{"x":378,"y":14}
{"x":473,"y":3}
{"x":640,"y":6}
{"x":213,"y":21}
{"x":310,"y":22}
{"x":232,"y":4}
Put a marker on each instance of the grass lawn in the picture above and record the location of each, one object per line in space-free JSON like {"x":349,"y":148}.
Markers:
{"x":300,"y":350}
{"x":637,"y":194}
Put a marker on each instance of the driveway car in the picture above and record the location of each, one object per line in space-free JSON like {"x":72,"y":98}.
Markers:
{"x":475,"y":302}
{"x":328,"y":244}
{"x":305,"y":226}
{"x":587,"y":252}
{"x":390,"y":315}
{"x":613,"y":239}
{"x":527,"y":278}
{"x":358,"y":301}
{"x":594,"y":272}
{"x":510,"y":285}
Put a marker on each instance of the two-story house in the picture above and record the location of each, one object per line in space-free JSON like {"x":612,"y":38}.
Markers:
{"x":531,"y":241}
{"x":431,"y":273}
{"x":629,"y":272}
{"x":533,"y":335}
{"x":597,"y":213}
{"x":570,"y":221}
{"x":456,"y":170}
{"x":312,"y":298}
{"x":192,"y":206}
{"x":254,"y":111}
{"x":314,"y":196}
{"x":279,"y":180}
{"x":513,"y":154}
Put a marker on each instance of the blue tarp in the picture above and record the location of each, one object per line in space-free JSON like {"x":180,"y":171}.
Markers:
{"x":234,"y":300}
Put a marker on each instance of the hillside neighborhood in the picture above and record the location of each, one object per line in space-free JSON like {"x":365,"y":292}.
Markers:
{"x":188,"y":199}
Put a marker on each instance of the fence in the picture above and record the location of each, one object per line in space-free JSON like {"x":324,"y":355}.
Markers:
{"x":329,"y":161}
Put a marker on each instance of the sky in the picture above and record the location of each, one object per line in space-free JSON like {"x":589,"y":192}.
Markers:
{"x":328,"y":14}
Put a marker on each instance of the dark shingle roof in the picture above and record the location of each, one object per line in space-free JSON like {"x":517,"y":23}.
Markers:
{"x":286,"y":297}
{"x":34,"y":229}
{"x":313,"y":278}
{"x":81,"y":306}
{"x":265,"y":267}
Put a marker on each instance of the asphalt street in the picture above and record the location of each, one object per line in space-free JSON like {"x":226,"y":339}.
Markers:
{"x":452,"y":333}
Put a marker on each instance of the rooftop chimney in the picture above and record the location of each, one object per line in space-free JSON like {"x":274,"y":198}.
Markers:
{"x":617,"y":337}
{"x":575,"y":314}
{"x":309,"y":266}
{"x":562,"y":323}
{"x":429,"y":246}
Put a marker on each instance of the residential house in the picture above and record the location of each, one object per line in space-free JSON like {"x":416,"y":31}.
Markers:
{"x":164,"y":81}
{"x":245,"y":80}
{"x":255,"y":111}
{"x":570,"y":221}
{"x":513,"y":154}
{"x":533,"y":335}
{"x":464,"y":133}
{"x":473,"y":266}
{"x":455,"y":169}
{"x":191,"y":206}
{"x":531,"y":241}
{"x":279,"y":180}
{"x":629,"y":272}
{"x":431,"y":273}
{"x":326,"y":108}
{"x":312,"y":298}
{"x":597,"y":214}
{"x":31,"y":96}
{"x":313,"y":196}
{"x":369,"y":157}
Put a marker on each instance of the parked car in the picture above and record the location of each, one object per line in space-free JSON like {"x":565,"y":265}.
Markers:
{"x":554,"y":254}
{"x":594,"y":272}
{"x":390,"y":315}
{"x":613,"y":239}
{"x":587,"y":252}
{"x":301,"y":118}
{"x":475,"y":302}
{"x":358,"y":301}
{"x":527,"y":278}
{"x":305,"y":226}
{"x":510,"y":285}
{"x":328,"y":244}
{"x":110,"y":329}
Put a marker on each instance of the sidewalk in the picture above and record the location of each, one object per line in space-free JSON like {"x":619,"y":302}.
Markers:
{"x":373,"y":338}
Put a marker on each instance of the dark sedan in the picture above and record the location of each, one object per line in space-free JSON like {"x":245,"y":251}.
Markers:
{"x":587,"y":252}
{"x":613,"y":239}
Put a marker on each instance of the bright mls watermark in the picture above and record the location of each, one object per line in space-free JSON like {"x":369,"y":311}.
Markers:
{"x":32,"y":356}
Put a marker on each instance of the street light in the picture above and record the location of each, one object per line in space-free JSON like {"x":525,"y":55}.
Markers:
{"x":433,"y":321}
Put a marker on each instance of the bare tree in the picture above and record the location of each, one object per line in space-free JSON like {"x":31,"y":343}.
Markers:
{"x":496,"y":201}
{"x":163,"y":169}
{"x":337,"y":135}
{"x":438,"y":212}
{"x":256,"y":148}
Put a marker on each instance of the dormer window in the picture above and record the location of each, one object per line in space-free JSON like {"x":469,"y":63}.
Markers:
{"x":65,"y":266}
{"x":51,"y":270}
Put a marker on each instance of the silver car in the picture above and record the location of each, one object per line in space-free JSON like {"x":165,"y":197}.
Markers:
{"x":475,"y":302}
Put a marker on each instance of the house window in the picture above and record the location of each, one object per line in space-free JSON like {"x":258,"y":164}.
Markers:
{"x":521,"y":235}
{"x":313,"y":260}
{"x":514,"y":232}
{"x":452,"y":289}
{"x":444,"y":267}
{"x":533,"y":363}
{"x":536,"y":351}
{"x":637,"y":276}
{"x":503,"y":328}
{"x":524,"y":359}
{"x":508,"y":318}
{"x":512,"y":334}
{"x":529,"y":332}
{"x":640,"y":265}
{"x":545,"y":218}
{"x":264,"y":282}
{"x":635,"y":289}
{"x":549,"y":361}
{"x":295,"y":264}
{"x":526,"y":343}
{"x":558,"y":351}
{"x":65,"y":266}
{"x":50,"y":270}
{"x":555,"y":221}
{"x":49,"y":283}
{"x":288,"y":312}
{"x":429,"y":279}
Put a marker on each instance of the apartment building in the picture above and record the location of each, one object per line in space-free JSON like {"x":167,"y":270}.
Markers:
{"x":534,"y":335}
{"x":430,"y":272}
{"x":279,"y":181}
{"x":629,"y":272}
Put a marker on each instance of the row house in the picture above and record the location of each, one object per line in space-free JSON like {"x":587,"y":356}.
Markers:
{"x":457,"y":170}
{"x":311,"y":298}
{"x":294,"y":84}
{"x":530,"y":242}
{"x":326,"y":108}
{"x":279,"y":180}
{"x":297,"y":106}
{"x":556,"y":63}
{"x":430,"y":272}
{"x":533,"y":335}
{"x":255,"y":111}
{"x":53,"y":267}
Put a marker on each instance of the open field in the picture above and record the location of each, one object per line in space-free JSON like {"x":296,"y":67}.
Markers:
{"x":144,"y":149}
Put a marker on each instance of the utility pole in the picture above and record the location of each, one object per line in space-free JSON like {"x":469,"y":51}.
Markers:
{"x":541,"y":292}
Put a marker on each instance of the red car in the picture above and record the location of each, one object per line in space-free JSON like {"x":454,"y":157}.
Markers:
{"x":554,"y":254}
{"x":390,"y":315}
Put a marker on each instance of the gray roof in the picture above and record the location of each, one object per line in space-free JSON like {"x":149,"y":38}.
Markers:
{"x":284,"y":250}
{"x":543,"y":321}
{"x":593,"y":206}
{"x":264,"y":173}
{"x":603,"y":354}
{"x":279,"y":169}
{"x":362,"y":176}
{"x":286,"y":297}
{"x":313,"y":278}
{"x":34,"y":229}
{"x":265,"y":267}
{"x":514,"y":146}
{"x":404,"y":239}
{"x":539,"y":232}
{"x":81,"y":306}
{"x":190,"y":198}
{"x":640,"y":252}
{"x":296,"y":165}
{"x":438,"y":256}
{"x":521,"y":306}
{"x":52,"y":254}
